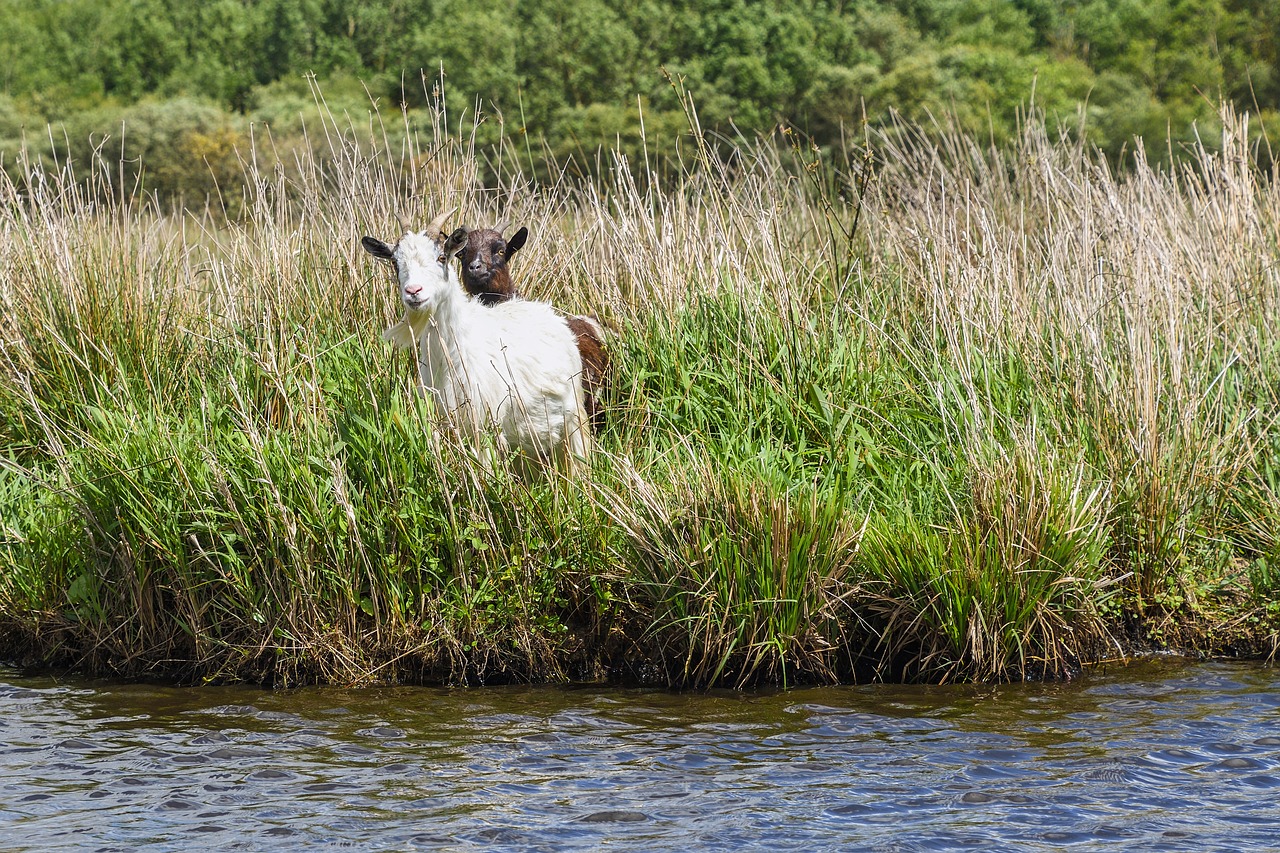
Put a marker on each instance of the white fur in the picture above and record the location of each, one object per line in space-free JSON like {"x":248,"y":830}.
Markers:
{"x":514,"y":365}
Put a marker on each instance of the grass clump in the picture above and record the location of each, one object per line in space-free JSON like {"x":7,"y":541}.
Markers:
{"x":1011,"y":587}
{"x":742,"y":579}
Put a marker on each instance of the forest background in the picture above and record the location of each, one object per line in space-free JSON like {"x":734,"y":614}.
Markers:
{"x":185,"y":87}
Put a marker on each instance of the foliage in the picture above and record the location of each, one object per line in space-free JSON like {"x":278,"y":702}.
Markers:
{"x":575,"y":75}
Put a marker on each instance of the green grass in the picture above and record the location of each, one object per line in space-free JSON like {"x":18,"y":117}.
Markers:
{"x":1021,"y":418}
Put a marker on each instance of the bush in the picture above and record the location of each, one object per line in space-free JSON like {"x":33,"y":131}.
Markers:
{"x":182,"y":148}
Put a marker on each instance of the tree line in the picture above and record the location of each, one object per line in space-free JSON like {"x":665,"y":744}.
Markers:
{"x":576,"y":74}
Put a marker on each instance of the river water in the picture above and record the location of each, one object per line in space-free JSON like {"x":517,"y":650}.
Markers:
{"x":1152,"y":756}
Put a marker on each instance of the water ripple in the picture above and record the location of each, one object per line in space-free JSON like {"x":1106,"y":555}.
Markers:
{"x":1155,"y":756}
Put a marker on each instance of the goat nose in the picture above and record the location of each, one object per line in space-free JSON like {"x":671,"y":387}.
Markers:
{"x":475,"y":266}
{"x":413,"y":289}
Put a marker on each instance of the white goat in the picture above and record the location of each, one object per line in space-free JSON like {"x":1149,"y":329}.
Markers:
{"x":514,"y":366}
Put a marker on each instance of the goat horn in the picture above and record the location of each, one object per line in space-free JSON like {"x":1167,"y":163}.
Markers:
{"x":404,"y":223}
{"x":435,"y":229}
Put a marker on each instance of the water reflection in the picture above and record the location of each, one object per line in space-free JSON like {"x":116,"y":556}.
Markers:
{"x":1157,"y":756}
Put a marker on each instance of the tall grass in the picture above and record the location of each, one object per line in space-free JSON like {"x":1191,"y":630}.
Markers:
{"x":925,"y":410}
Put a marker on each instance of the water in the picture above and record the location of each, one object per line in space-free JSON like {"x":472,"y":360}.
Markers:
{"x":1155,"y":756}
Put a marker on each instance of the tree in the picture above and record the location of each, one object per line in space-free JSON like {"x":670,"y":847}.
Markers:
{"x":134,"y":47}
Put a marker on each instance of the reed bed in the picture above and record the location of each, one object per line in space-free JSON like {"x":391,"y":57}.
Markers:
{"x":919,"y":410}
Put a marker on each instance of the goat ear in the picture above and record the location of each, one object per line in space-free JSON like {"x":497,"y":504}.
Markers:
{"x":377,"y":248}
{"x":454,"y":242}
{"x":517,"y":241}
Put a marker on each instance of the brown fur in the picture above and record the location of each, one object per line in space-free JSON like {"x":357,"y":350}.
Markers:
{"x":595,"y":365}
{"x":485,"y":276}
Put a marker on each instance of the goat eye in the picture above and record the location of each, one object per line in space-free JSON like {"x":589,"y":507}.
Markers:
{"x":440,"y":260}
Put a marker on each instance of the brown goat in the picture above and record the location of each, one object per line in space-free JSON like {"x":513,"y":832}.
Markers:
{"x":485,"y":276}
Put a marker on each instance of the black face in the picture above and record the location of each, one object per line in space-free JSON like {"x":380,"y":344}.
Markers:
{"x":484,"y":264}
{"x":485,"y":254}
